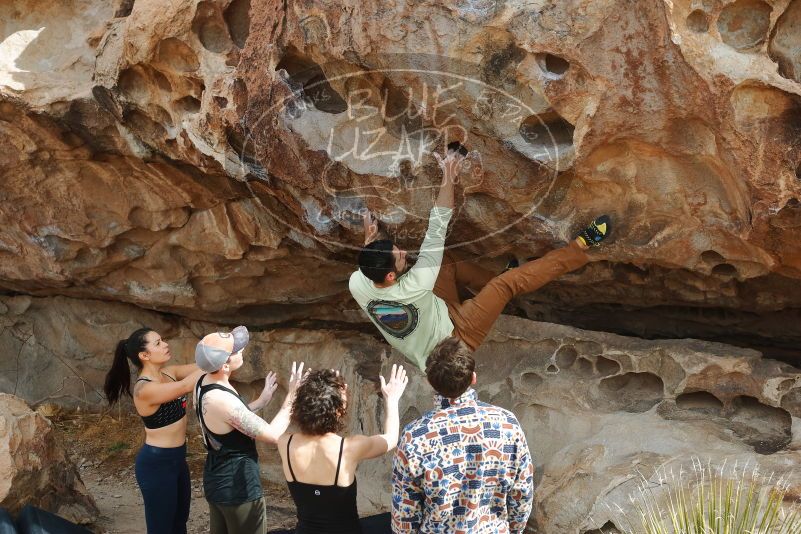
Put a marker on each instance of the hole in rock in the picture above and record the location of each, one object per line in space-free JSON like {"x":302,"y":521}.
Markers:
{"x":176,"y":55}
{"x":785,"y":44}
{"x":162,"y":81}
{"x":232,"y":57}
{"x":552,"y":369}
{"x":243,"y":144}
{"x":210,"y":28}
{"x":161,"y":115}
{"x":584,"y":367}
{"x":133,"y":84}
{"x":552,"y":65}
{"x":744,"y":24}
{"x":698,"y":21}
{"x":711,"y":257}
{"x":607,"y":528}
{"x":785,"y":385}
{"x":724,"y":269}
{"x":701,"y":401}
{"x":144,"y":126}
{"x":798,"y":171}
{"x":607,"y":367}
{"x":221,"y":101}
{"x":198,"y":88}
{"x":124,"y":8}
{"x":791,"y":402}
{"x":237,"y":16}
{"x":566,"y":356}
{"x":549,"y":133}
{"x":237,"y":140}
{"x":307,"y":75}
{"x":632,"y":392}
{"x":531,"y":380}
{"x":765,"y":428}
{"x":188,"y":104}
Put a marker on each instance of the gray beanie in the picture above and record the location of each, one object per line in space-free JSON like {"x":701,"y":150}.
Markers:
{"x":211,"y":358}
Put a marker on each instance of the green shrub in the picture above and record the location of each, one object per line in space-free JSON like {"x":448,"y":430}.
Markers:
{"x":711,"y":500}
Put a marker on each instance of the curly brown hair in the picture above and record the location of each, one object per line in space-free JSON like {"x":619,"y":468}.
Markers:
{"x":319,"y":406}
{"x":449,"y":367}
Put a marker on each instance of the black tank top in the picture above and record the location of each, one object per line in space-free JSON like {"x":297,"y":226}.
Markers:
{"x":324,"y":509}
{"x":168,"y":412}
{"x":231,"y":472}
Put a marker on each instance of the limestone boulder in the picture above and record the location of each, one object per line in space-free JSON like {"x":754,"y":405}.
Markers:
{"x":212,"y":157}
{"x":34,"y":468}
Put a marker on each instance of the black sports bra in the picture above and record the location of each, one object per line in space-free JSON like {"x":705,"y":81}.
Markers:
{"x":168,"y":413}
{"x":324,"y":509}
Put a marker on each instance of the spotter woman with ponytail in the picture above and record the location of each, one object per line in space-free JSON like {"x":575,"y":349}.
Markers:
{"x":159,"y":395}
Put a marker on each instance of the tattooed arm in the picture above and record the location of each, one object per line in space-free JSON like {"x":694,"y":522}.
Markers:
{"x":231,"y":410}
{"x":224,"y":412}
{"x":247,"y":422}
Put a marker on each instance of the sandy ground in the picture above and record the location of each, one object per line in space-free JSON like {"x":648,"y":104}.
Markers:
{"x":104,"y":448}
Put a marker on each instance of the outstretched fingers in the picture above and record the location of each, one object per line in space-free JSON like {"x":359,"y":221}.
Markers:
{"x":370,"y":227}
{"x":399,"y":373}
{"x":393,"y":387}
{"x":297,"y":375}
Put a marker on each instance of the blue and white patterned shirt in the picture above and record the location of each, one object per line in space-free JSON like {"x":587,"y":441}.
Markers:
{"x":462,"y":468}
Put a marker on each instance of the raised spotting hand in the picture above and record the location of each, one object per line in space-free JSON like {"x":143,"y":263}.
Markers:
{"x":393,"y":390}
{"x":370,"y":224}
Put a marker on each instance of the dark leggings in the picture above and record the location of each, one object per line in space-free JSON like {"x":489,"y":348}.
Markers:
{"x":163,"y":478}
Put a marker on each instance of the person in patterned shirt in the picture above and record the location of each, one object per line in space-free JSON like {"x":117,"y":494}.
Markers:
{"x":464,"y":467}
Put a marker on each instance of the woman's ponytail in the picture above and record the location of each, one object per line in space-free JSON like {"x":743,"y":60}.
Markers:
{"x":118,"y":379}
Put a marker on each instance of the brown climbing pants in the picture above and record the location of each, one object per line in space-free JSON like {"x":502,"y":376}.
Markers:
{"x":473,"y":318}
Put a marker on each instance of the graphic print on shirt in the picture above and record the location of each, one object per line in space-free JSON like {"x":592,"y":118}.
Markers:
{"x":395,"y":318}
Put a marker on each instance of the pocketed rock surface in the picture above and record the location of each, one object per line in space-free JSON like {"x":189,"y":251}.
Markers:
{"x":208,"y":157}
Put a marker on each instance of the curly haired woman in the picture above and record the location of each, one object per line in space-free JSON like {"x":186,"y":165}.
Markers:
{"x":319,"y":464}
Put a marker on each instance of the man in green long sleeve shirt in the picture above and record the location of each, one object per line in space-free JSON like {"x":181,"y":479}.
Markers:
{"x":416,"y":309}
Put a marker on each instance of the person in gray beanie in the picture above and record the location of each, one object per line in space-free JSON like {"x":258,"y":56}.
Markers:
{"x":230,"y":429}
